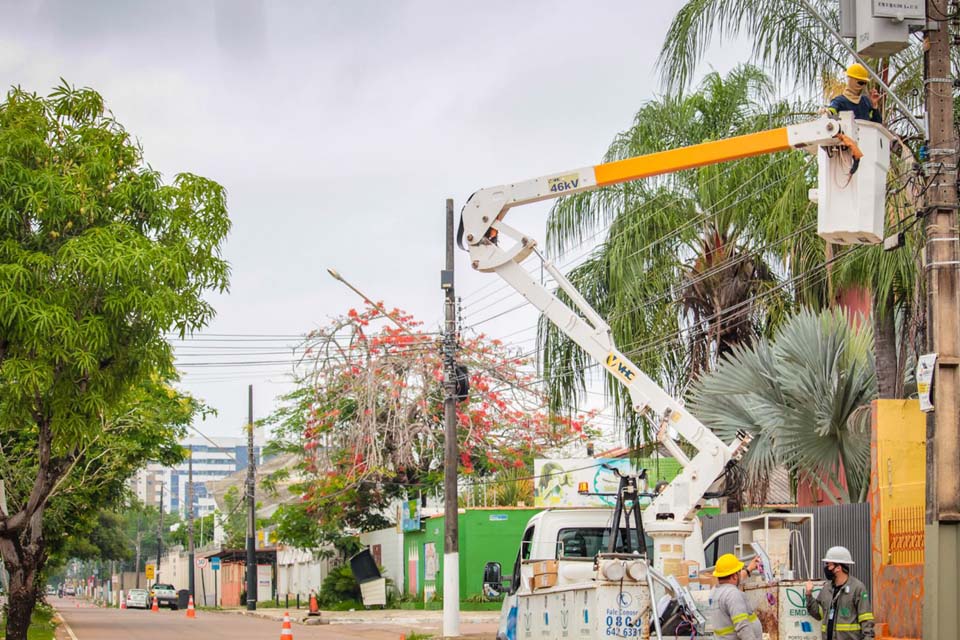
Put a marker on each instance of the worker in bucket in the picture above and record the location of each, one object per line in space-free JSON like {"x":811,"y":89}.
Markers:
{"x":843,"y":604}
{"x":864,"y":107}
{"x":734,"y":618}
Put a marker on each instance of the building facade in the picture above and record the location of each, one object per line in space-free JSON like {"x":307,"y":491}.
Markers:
{"x":211,"y":461}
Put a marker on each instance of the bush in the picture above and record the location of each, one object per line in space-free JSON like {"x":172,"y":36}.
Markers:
{"x":338,"y":586}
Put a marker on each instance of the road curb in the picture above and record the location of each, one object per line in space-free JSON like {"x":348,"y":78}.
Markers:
{"x":399,"y":619}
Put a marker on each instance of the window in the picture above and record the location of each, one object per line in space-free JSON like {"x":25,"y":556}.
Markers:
{"x":587,"y":542}
{"x":523,"y":554}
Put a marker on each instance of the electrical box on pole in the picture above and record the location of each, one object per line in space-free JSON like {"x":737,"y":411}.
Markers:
{"x":881,"y":27}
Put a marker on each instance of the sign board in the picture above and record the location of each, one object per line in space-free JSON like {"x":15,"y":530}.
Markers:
{"x":410,"y":515}
{"x":557,"y":481}
{"x":925,"y":366}
{"x":264,"y":582}
{"x":150,"y":572}
{"x":215,"y":563}
{"x":201,"y":563}
{"x":900,"y":9}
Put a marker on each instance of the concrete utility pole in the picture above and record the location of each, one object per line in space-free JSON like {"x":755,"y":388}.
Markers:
{"x":156,"y":574}
{"x":451,"y":456}
{"x":251,"y":510}
{"x":941,"y":615}
{"x":190,"y":550}
{"x":136,"y":565}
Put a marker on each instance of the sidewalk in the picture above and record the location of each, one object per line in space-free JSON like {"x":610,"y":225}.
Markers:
{"x":479,"y":624}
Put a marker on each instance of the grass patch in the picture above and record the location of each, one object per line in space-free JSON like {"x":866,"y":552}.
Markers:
{"x":41,"y":624}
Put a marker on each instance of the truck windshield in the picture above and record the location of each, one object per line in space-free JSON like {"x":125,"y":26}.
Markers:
{"x":587,"y":542}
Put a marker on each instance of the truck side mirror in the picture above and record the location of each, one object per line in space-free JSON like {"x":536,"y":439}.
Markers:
{"x":492,"y":580}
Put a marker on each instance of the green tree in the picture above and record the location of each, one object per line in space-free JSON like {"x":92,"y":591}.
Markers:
{"x":797,"y":49}
{"x":803,"y":396}
{"x":689,"y":264}
{"x":99,"y":259}
{"x":233,"y":519}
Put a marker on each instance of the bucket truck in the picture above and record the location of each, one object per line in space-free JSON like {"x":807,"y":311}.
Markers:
{"x":550,"y":595}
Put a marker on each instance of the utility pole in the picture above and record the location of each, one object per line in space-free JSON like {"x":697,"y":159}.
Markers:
{"x":451,"y":457}
{"x":136,"y":566}
{"x":251,"y":510}
{"x":941,"y":616}
{"x":156,"y":574}
{"x":190,"y":550}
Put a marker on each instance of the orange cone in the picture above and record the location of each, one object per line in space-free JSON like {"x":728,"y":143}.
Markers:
{"x":314,"y":607}
{"x":155,"y":607}
{"x":191,"y":612}
{"x":123,"y":601}
{"x":286,"y":631}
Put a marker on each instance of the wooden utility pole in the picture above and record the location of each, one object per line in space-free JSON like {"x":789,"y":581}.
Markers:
{"x":941,"y":615}
{"x":191,"y":577}
{"x":451,"y":456}
{"x":251,"y":510}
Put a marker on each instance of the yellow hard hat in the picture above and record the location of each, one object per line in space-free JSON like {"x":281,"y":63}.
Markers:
{"x":858,"y":72}
{"x":727,"y":565}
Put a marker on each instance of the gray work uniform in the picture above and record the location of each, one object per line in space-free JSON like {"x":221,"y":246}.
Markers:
{"x":849,"y":610}
{"x":733,"y":617}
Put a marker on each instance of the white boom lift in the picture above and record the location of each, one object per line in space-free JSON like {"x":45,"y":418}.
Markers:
{"x":853,"y":163}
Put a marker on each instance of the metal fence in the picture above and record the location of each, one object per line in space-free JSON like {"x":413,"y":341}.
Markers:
{"x":844,"y":524}
{"x":906,"y":535}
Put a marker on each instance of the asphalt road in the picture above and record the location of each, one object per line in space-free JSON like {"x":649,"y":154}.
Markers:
{"x":90,"y":623}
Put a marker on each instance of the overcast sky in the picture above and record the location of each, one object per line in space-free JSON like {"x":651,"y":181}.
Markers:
{"x":338,"y":129}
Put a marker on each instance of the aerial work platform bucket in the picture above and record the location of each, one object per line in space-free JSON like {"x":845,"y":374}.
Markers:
{"x":851,"y":208}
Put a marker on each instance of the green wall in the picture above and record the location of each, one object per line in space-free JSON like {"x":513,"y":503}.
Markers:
{"x":486,"y":535}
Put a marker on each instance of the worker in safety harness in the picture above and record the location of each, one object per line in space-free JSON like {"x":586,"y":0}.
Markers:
{"x":733,"y":617}
{"x":852,"y":98}
{"x":843,"y":605}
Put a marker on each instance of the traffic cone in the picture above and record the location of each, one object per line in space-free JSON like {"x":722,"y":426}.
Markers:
{"x":191,"y":612}
{"x":286,"y":631}
{"x":123,"y":601}
{"x":155,"y":606}
{"x":314,"y":607}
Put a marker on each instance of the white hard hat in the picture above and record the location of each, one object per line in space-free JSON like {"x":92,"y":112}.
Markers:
{"x":838,"y":555}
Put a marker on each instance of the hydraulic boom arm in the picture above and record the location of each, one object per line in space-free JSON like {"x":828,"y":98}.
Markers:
{"x":672,"y":513}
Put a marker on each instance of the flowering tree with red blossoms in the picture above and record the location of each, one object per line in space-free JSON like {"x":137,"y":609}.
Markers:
{"x":366,"y":420}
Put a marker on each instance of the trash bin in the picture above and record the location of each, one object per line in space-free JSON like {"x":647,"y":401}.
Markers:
{"x":183,"y":598}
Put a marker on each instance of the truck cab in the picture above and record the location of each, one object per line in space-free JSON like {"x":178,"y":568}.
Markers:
{"x":557,"y":550}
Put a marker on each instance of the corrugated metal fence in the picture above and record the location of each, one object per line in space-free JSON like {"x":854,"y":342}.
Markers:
{"x":843,"y":524}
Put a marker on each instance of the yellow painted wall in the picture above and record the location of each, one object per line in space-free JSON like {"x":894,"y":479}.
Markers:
{"x":898,"y":472}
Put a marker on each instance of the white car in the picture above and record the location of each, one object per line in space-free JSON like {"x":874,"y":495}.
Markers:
{"x":137,"y":599}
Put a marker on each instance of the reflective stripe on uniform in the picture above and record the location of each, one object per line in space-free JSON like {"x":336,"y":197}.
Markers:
{"x":842,"y":627}
{"x":740,"y":617}
{"x":863,"y":617}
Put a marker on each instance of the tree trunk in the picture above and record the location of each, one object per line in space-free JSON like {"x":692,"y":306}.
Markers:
{"x":21,"y":537}
{"x":885,"y":348}
{"x":23,"y":556}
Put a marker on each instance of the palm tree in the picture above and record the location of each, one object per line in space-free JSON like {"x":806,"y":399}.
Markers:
{"x":817,"y":371}
{"x":791,"y":43}
{"x":692,"y":264}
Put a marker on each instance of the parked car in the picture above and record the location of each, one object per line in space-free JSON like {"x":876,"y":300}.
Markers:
{"x":165,"y":594}
{"x":70,"y":591}
{"x":138,"y":599}
{"x":51,"y":590}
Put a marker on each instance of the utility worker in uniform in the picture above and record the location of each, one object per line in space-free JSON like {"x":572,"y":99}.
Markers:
{"x":852,"y":98}
{"x":733,"y":618}
{"x":843,"y":605}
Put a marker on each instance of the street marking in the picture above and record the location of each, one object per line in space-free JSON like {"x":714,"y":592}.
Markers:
{"x":66,"y":626}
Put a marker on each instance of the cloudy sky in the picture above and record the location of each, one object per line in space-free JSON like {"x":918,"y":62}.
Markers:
{"x":338,"y":129}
